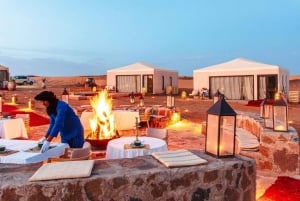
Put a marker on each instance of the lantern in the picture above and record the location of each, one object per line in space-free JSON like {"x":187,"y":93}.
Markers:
{"x":217,"y":96}
{"x":29,"y":103}
{"x":65,"y":96}
{"x":131,"y":98}
{"x":141,"y":104}
{"x":220,"y":130}
{"x":280,"y":115}
{"x":14,"y":99}
{"x":170,"y":100}
{"x":268,"y":115}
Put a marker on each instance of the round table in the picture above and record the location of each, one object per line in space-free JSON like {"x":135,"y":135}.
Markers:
{"x":115,"y":148}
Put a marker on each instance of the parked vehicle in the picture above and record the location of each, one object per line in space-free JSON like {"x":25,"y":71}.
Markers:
{"x":90,"y":82}
{"x":23,"y":80}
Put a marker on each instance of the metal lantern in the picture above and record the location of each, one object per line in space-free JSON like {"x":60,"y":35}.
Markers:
{"x":65,"y":96}
{"x":131,"y":98}
{"x":280,"y":115}
{"x":220,"y":130}
{"x":141,"y":104}
{"x":170,"y":100}
{"x":217,"y":96}
{"x":268,"y":115}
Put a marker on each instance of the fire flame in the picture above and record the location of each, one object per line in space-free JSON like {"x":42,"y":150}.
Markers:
{"x":102,"y":123}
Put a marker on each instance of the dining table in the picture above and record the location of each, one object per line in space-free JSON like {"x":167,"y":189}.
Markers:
{"x":27,"y":151}
{"x":12,"y":128}
{"x":123,"y":147}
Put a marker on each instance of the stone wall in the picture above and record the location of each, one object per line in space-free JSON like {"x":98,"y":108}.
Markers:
{"x":138,"y":179}
{"x":278,"y":151}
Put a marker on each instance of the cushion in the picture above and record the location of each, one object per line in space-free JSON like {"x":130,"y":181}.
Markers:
{"x":61,"y":170}
{"x":178,"y":158}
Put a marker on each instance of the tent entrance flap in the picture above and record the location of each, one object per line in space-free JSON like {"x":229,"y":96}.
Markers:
{"x":233,"y":87}
{"x":267,"y":86}
{"x":128,"y":83}
{"x":148,"y":83}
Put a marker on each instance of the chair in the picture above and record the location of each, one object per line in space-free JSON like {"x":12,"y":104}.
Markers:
{"x":144,"y":116}
{"x":160,"y":133}
{"x":74,"y":154}
{"x":194,"y":93}
{"x":162,"y":118}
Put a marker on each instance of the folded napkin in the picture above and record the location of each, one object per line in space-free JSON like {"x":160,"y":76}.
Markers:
{"x":63,"y":170}
{"x":178,"y":158}
{"x":129,"y":146}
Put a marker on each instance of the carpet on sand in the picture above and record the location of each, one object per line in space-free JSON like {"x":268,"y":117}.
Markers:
{"x":256,"y":103}
{"x":35,"y":119}
{"x":284,"y":188}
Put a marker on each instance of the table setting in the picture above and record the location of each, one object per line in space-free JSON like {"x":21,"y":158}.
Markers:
{"x":28,"y":151}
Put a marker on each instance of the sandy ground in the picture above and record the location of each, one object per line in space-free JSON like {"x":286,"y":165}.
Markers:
{"x":186,"y":135}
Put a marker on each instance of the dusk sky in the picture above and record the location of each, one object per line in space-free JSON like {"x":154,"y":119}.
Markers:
{"x":88,"y":37}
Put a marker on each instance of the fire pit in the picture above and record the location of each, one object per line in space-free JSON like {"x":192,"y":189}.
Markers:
{"x":98,"y":144}
{"x":102,"y":123}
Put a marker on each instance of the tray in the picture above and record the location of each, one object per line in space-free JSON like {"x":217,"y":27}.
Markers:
{"x":132,"y":146}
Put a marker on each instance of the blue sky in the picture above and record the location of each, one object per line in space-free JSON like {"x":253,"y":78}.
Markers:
{"x":88,"y":37}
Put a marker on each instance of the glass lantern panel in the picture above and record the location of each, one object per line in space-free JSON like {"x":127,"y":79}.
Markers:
{"x":280,"y":118}
{"x":216,"y":98}
{"x":227,"y":125}
{"x":268,"y":116}
{"x":212,"y":134}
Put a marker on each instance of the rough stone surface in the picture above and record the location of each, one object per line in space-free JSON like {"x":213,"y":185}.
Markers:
{"x":138,"y":179}
{"x":278,"y":153}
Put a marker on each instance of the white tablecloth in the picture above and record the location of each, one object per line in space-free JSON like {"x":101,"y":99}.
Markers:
{"x":124,"y":119}
{"x":12,"y":128}
{"x":23,"y":157}
{"x":115,"y":148}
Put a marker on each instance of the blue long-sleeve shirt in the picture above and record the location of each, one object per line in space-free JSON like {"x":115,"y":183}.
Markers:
{"x":65,"y":122}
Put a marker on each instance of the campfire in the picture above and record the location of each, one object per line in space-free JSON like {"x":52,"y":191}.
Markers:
{"x":102,"y":123}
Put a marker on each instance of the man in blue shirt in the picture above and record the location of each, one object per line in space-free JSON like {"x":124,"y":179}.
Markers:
{"x":63,"y":120}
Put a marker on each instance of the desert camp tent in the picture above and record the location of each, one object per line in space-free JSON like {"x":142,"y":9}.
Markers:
{"x":242,"y":79}
{"x":134,"y":77}
{"x":4,"y":74}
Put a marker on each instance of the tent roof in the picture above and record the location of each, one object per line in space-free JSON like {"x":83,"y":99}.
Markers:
{"x":238,"y":64}
{"x":137,"y":67}
{"x":3,"y":67}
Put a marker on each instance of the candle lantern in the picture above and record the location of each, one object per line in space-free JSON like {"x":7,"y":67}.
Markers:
{"x":170,"y":100}
{"x":131,"y":97}
{"x":14,"y":99}
{"x":268,"y":115}
{"x":220,"y":130}
{"x":217,"y":96}
{"x":65,"y":96}
{"x":30,"y":105}
{"x":280,"y":115}
{"x":141,"y":104}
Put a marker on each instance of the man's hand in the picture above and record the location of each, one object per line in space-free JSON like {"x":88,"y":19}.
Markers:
{"x":42,"y":140}
{"x":45,"y":146}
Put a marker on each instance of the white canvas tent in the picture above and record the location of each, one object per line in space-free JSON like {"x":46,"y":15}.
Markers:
{"x":134,"y":77}
{"x":242,"y":79}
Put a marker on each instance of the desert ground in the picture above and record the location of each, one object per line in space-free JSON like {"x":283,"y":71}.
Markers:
{"x":193,"y":111}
